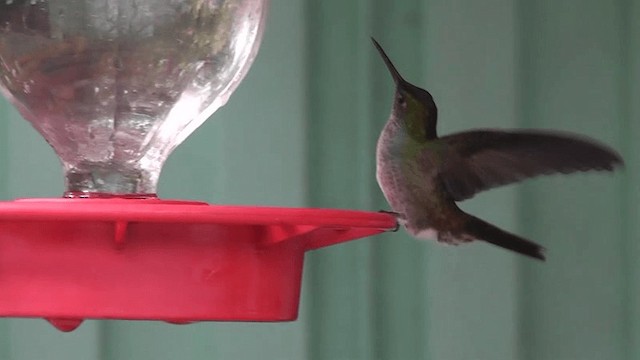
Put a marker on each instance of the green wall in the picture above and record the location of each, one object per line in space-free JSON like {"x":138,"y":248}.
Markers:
{"x":320,"y":95}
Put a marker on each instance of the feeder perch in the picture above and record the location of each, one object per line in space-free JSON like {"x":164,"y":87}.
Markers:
{"x":114,"y":86}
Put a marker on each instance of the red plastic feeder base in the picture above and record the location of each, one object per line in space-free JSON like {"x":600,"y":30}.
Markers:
{"x":71,"y":259}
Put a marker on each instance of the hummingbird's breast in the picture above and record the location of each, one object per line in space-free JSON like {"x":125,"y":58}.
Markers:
{"x":407,"y":174}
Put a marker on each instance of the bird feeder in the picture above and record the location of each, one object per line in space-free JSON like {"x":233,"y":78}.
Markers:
{"x":114,"y":86}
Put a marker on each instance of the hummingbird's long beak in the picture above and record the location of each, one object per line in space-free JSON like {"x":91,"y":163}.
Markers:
{"x":397,"y":78}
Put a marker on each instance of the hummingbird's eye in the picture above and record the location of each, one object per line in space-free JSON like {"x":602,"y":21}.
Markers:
{"x":401,"y":100}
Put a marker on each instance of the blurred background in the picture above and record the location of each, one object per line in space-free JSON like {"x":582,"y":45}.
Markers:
{"x":319,"y":94}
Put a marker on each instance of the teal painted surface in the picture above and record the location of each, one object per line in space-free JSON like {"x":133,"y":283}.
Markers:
{"x":575,"y":305}
{"x":318,"y":96}
{"x":631,"y":188}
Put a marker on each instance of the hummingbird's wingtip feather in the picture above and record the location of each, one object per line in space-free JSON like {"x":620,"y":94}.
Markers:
{"x":488,"y":158}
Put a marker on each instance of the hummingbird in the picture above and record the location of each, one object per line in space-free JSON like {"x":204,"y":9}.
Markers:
{"x":423,"y":175}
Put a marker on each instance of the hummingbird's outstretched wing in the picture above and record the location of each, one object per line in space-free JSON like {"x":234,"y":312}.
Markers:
{"x":479,"y":160}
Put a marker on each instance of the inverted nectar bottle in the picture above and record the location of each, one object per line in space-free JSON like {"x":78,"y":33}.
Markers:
{"x":115,"y":85}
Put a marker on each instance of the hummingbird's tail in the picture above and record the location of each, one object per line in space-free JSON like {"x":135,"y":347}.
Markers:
{"x":484,"y":231}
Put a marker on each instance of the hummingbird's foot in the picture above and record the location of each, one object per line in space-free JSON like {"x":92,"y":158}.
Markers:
{"x":398,"y":216}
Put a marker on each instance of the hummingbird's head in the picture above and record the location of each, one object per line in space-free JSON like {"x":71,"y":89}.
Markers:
{"x":412,"y":105}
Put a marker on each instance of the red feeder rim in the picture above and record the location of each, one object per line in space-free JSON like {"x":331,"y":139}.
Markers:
{"x":149,"y":259}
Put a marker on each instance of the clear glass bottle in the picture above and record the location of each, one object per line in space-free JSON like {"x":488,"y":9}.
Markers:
{"x":115,"y":85}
